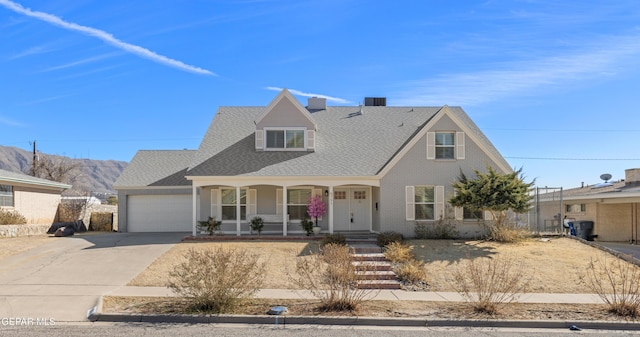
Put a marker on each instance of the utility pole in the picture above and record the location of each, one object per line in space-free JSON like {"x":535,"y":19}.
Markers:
{"x":35,"y":158}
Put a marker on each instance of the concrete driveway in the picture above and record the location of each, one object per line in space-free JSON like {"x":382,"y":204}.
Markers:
{"x":622,"y":247}
{"x":64,"y":278}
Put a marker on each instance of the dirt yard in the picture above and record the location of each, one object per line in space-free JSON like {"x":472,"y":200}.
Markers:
{"x":13,"y":246}
{"x":555,"y":265}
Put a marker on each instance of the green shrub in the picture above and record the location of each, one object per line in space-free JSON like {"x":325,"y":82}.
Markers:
{"x":411,"y":271}
{"x":335,"y":238}
{"x":211,"y":225}
{"x":217,"y":280}
{"x":398,"y":252}
{"x":8,"y":217}
{"x":257,"y":224}
{"x":386,"y":238}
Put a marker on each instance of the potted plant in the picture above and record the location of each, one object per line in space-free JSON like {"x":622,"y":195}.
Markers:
{"x":315,"y":209}
{"x":307,"y":224}
{"x":256,"y":224}
{"x":211,"y":225}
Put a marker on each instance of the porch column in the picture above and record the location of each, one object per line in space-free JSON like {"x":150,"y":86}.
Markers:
{"x":238,"y":209}
{"x":194,"y":208}
{"x":285,"y":215}
{"x":330,"y":209}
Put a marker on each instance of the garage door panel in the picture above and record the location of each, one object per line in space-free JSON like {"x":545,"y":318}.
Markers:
{"x":159,"y":213}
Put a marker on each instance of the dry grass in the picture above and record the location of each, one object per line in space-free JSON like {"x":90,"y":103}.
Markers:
{"x":556,"y":266}
{"x":13,"y":246}
{"x":279,"y":257}
{"x":426,"y":310}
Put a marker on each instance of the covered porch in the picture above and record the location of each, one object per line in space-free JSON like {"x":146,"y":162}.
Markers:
{"x":351,"y":204}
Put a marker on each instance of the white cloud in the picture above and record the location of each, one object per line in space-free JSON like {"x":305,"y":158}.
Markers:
{"x":523,"y":78}
{"x":79,"y":62}
{"x":30,"y":51}
{"x":304,"y":94}
{"x":106,"y":37}
{"x":9,"y":122}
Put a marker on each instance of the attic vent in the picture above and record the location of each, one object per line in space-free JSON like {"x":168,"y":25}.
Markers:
{"x":375,"y":101}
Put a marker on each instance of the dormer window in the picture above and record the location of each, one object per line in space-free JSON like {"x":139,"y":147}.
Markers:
{"x":285,"y":139}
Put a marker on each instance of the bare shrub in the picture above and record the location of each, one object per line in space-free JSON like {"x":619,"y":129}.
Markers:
{"x":385,"y":238}
{"x":398,"y":252}
{"x":490,"y":282}
{"x":443,"y":229}
{"x":331,"y":277}
{"x":217,"y":280}
{"x":8,"y":217}
{"x":509,"y":233}
{"x":617,"y":282}
{"x":335,"y":238}
{"x":411,"y":271}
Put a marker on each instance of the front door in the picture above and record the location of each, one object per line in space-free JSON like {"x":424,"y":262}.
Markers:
{"x":351,"y":209}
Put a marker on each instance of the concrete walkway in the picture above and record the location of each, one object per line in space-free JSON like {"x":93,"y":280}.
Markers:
{"x":388,"y":295}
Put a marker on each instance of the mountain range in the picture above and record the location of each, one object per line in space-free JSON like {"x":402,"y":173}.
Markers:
{"x":96,"y":176}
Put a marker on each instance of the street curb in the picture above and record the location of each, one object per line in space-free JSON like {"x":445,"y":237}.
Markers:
{"x":358,"y":321}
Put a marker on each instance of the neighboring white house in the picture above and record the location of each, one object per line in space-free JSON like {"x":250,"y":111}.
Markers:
{"x":378,"y":168}
{"x":36,"y":199}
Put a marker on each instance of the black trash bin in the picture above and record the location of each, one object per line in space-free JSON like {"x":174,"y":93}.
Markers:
{"x":585,"y":230}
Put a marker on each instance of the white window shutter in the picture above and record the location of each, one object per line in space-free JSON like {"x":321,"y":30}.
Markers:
{"x":459,"y":213}
{"x":259,"y":139}
{"x":214,"y":203}
{"x":279,"y":201}
{"x":431,"y":145}
{"x":487,"y":215}
{"x":439,"y":209}
{"x":459,"y":145}
{"x":410,"y":198}
{"x":252,"y":202}
{"x":311,"y":140}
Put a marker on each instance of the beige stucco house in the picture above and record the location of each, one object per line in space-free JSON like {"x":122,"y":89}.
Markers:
{"x":36,"y":199}
{"x":612,"y":206}
{"x":376,"y":167}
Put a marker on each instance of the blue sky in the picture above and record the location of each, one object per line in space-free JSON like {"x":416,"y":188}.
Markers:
{"x":555,"y":85}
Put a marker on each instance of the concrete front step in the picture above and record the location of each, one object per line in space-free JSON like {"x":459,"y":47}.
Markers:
{"x":372,"y":265}
{"x":369,"y":257}
{"x":379,"y":284}
{"x":365,"y":248}
{"x":376,"y":275}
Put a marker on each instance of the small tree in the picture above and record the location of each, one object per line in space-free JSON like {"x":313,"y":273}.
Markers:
{"x":493,"y":192}
{"x":316,"y":208}
{"x":60,"y":169}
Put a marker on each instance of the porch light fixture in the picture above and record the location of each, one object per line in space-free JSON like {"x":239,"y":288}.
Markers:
{"x":326,"y":193}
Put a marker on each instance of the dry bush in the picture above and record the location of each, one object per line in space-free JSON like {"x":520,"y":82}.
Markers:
{"x":385,"y":238}
{"x":331,"y":277}
{"x":335,"y":238}
{"x":217,"y":280}
{"x":490,"y":282}
{"x":398,"y":252}
{"x":617,"y":282}
{"x":8,"y":217}
{"x":411,"y":271}
{"x":509,"y":233}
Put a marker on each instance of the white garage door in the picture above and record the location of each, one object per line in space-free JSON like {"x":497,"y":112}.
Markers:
{"x":159,"y":213}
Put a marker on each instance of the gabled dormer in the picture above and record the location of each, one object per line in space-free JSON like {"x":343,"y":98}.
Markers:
{"x":285,"y":125}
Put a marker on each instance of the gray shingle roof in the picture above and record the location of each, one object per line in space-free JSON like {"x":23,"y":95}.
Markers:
{"x":347,"y":143}
{"x":14,"y":177}
{"x":157,"y":168}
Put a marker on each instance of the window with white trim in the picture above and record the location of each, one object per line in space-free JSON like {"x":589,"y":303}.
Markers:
{"x":424,"y":201}
{"x":445,"y":145}
{"x":285,"y":139}
{"x":6,"y":195}
{"x":228,"y":202}
{"x":472,"y":214}
{"x":297,"y":200}
{"x":575,"y":208}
